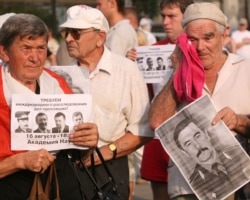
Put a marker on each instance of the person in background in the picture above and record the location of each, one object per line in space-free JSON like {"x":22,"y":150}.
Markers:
{"x":154,"y":167}
{"x":53,"y":46}
{"x":242,"y":38}
{"x":62,"y":55}
{"x":120,"y":98}
{"x":135,"y":158}
{"x":23,"y":49}
{"x":229,"y":43}
{"x":3,"y":18}
{"x":146,"y":25}
{"x":121,"y":36}
{"x":205,"y":25}
{"x":130,"y":13}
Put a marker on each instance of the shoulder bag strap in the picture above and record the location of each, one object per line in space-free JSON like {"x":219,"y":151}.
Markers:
{"x":104,"y":164}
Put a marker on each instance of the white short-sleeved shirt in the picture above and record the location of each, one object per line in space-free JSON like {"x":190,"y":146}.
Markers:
{"x":239,"y":36}
{"x":120,"y":98}
{"x":232,"y":90}
{"x":121,"y":38}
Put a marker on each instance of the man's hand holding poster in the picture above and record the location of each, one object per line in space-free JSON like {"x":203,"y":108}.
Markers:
{"x":45,"y":121}
{"x":209,"y":157}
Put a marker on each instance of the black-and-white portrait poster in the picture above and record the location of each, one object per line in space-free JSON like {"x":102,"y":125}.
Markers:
{"x":208,"y":156}
{"x":45,"y":121}
{"x":154,"y":63}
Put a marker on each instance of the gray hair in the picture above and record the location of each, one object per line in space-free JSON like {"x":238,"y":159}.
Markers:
{"x":22,"y":26}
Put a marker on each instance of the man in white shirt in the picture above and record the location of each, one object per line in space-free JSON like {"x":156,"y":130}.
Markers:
{"x":121,"y":36}
{"x":242,"y":38}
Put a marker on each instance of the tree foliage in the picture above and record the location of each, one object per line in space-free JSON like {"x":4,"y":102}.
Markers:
{"x":147,"y":7}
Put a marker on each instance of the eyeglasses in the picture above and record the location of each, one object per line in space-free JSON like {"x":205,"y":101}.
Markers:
{"x":75,"y":33}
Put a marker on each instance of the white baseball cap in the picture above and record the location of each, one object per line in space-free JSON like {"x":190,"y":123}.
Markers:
{"x":4,"y":17}
{"x":83,"y":17}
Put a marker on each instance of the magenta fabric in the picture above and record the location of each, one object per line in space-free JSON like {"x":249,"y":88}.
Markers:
{"x":190,"y":77}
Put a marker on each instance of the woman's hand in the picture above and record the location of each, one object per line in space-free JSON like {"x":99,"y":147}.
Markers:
{"x":36,"y":161}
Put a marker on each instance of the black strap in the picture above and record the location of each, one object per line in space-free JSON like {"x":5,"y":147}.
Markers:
{"x":104,"y":164}
{"x":92,"y":175}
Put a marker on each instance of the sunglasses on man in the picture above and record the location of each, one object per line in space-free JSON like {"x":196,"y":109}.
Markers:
{"x":75,"y":33}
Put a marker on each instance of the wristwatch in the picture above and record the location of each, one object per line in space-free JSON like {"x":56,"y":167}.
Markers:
{"x":113,"y":148}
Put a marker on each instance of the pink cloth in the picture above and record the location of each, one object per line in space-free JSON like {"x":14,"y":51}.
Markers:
{"x":190,"y":77}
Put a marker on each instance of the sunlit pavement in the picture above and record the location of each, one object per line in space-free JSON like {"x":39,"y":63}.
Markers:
{"x":143,"y":192}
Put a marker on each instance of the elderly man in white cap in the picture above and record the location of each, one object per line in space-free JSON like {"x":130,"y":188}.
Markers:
{"x":120,"y":98}
{"x":226,"y":82}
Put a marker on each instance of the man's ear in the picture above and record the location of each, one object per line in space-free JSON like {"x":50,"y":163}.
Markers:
{"x":101,"y":39}
{"x":3,"y":54}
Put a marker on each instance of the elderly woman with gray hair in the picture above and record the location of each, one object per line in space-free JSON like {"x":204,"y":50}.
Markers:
{"x":23,"y":48}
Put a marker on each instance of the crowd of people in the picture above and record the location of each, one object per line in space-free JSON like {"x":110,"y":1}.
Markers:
{"x":126,"y":110}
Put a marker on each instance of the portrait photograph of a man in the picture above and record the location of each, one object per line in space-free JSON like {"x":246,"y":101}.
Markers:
{"x":42,"y":123}
{"x":209,"y":157}
{"x":23,"y":122}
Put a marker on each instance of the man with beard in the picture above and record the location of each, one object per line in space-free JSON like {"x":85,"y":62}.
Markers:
{"x":42,"y":122}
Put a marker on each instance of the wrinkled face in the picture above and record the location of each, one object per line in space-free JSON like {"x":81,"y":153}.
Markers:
{"x":60,"y":122}
{"x":26,"y":58}
{"x":171,"y":20}
{"x":42,"y":122}
{"x":196,"y":144}
{"x":84,"y":46}
{"x":23,"y":122}
{"x":78,"y":119}
{"x":207,"y":40}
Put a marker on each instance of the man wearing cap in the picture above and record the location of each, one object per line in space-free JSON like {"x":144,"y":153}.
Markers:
{"x":226,"y":82}
{"x":242,"y":38}
{"x":23,"y":121}
{"x":121,"y":36}
{"x":119,"y":93}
